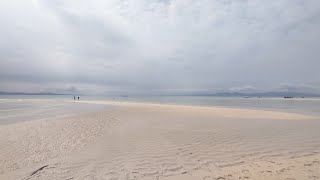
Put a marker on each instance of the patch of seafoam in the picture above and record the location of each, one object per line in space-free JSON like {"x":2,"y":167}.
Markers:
{"x":156,"y":143}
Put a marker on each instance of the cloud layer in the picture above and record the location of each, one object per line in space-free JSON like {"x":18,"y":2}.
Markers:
{"x":143,"y":46}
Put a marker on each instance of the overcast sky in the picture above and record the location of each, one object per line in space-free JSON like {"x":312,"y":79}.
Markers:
{"x":159,"y":46}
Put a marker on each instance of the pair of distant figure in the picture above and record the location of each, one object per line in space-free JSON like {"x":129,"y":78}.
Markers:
{"x":74,"y":98}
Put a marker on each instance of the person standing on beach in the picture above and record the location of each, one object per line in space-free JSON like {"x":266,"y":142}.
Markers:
{"x":78,"y":98}
{"x":74,"y":98}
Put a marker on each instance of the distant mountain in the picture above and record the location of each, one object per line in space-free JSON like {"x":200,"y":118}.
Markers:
{"x":265,"y":94}
{"x":287,"y":94}
{"x":24,"y":93}
{"x":218,"y":94}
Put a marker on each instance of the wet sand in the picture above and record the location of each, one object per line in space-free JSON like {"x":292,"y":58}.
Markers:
{"x":152,"y":141}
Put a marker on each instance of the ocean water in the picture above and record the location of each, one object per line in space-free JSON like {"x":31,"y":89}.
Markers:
{"x":24,"y":108}
{"x":301,"y":105}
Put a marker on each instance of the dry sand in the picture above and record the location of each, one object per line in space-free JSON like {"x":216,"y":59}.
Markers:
{"x":150,"y":141}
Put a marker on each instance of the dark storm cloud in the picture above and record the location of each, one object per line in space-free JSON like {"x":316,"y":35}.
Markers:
{"x":160,"y":46}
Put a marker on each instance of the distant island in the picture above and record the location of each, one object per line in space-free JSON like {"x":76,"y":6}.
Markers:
{"x":260,"y":95}
{"x":218,"y":94}
{"x":25,"y":93}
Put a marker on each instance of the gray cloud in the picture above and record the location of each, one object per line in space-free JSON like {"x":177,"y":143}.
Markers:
{"x":160,"y":46}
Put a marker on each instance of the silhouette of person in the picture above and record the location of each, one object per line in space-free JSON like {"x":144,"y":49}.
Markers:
{"x":74,"y":98}
{"x":78,"y":98}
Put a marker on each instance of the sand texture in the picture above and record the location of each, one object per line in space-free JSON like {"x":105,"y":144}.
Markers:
{"x":166,"y":142}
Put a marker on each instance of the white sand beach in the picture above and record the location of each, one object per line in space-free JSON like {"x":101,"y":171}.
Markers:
{"x":166,"y":142}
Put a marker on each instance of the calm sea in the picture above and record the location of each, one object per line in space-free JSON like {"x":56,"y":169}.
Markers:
{"x":24,"y":108}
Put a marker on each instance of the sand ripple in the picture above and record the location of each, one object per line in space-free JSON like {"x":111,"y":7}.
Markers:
{"x":167,"y":142}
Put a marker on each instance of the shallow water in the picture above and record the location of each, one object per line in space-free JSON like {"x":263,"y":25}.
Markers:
{"x":304,"y":106}
{"x":25,"y":108}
